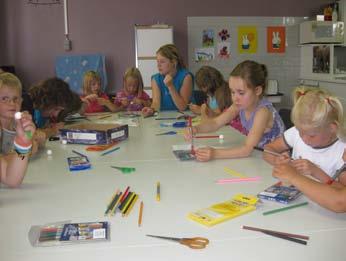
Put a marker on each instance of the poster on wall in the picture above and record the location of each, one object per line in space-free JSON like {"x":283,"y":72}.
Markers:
{"x":224,"y":50}
{"x":247,"y":39}
{"x":204,"y":54}
{"x":321,"y":60}
{"x":208,"y":38}
{"x":223,"y":35}
{"x":276,"y":39}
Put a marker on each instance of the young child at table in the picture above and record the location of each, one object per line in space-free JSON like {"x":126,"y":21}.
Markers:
{"x":259,"y":119}
{"x":93,"y":97}
{"x":317,"y":137}
{"x":132,"y":97}
{"x":10,"y":103}
{"x":210,"y":81}
{"x":13,"y":132}
{"x":331,"y":196}
{"x":49,"y":102}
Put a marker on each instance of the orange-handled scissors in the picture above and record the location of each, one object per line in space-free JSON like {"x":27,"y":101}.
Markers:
{"x":193,"y":242}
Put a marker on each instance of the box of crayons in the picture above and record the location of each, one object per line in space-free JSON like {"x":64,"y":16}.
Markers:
{"x":69,"y":233}
{"x":92,"y":133}
{"x":78,"y":163}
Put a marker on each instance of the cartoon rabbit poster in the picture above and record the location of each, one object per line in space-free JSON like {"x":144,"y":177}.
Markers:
{"x":247,"y":39}
{"x":276,"y":39}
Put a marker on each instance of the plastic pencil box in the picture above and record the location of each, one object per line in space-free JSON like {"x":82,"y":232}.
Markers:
{"x":63,"y":233}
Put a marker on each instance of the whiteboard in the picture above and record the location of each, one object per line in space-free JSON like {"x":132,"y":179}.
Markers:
{"x":148,"y":40}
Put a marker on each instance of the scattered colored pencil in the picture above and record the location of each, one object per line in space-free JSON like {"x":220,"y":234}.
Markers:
{"x":234,"y":173}
{"x":237,"y":180}
{"x":273,"y":231}
{"x":140,"y":215}
{"x":80,"y":154}
{"x":284,"y":208}
{"x":208,"y":137}
{"x":109,"y":151}
{"x":282,"y":235}
{"x":158,"y":191}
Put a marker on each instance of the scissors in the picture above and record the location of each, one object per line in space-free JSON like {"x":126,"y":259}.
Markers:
{"x":191,"y":242}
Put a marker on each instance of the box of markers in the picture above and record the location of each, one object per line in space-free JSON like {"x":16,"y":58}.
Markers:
{"x":69,"y":233}
{"x":92,"y":133}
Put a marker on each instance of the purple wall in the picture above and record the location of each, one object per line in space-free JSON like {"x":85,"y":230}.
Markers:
{"x":32,"y":36}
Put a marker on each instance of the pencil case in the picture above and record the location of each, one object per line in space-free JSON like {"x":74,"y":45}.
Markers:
{"x":63,"y":233}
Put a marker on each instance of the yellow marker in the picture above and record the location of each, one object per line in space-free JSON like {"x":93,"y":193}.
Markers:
{"x":234,"y":173}
{"x":158,"y":191}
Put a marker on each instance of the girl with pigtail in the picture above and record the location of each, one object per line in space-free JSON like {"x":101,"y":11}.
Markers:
{"x":317,"y":139}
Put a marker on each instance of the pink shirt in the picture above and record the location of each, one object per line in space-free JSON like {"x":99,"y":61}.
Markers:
{"x":94,"y":106}
{"x":131,"y":106}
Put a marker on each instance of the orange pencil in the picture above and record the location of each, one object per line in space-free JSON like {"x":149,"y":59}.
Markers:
{"x":140,"y":214}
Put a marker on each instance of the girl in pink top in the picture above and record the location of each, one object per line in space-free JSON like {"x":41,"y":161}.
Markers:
{"x":132,"y":97}
{"x":95,"y":100}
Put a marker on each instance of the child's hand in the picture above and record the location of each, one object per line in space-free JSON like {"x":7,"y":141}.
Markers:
{"x":102,"y":101}
{"x":205,"y":110}
{"x":55,"y":128}
{"x":25,"y":128}
{"x":189,"y":132}
{"x":137,"y":101}
{"x":304,"y":166}
{"x":168,"y":81}
{"x":284,"y":158}
{"x":147,"y":111}
{"x":284,"y":172}
{"x":38,"y":140}
{"x":195,"y":108}
{"x":91,"y":97}
{"x":124,"y":102}
{"x":205,"y":154}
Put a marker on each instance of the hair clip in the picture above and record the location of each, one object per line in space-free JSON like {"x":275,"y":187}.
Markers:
{"x":301,"y":93}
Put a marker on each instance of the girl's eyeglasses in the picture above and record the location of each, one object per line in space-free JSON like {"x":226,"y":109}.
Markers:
{"x":7,"y":99}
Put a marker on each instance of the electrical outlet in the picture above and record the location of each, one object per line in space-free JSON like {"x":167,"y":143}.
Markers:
{"x":67,"y":44}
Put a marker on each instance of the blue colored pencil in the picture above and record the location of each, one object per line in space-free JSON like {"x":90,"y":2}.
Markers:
{"x":109,"y":151}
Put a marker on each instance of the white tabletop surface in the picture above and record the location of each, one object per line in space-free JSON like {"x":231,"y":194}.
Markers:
{"x":51,"y":193}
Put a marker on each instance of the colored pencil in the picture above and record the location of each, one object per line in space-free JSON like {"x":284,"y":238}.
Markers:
{"x":208,"y":137}
{"x":192,"y":147}
{"x":132,"y":203}
{"x":234,"y":173}
{"x":268,"y":151}
{"x":299,"y":241}
{"x":273,"y":231}
{"x":337,"y":174}
{"x":158,"y":191}
{"x":285,"y":208}
{"x":116,"y":205}
{"x":127,"y":202}
{"x":110,"y":151}
{"x":236,"y":180}
{"x":140,"y":215}
{"x":80,"y":154}
{"x":104,"y":117}
{"x":125,"y":194}
{"x":165,"y":118}
{"x":111,"y":202}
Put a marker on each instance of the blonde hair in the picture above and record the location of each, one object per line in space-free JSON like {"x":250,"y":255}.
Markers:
{"x":11,"y":81}
{"x":134,"y":73}
{"x":317,"y":108}
{"x":216,"y":85}
{"x":88,"y":78}
{"x":170,"y":51}
{"x":253,"y":73}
